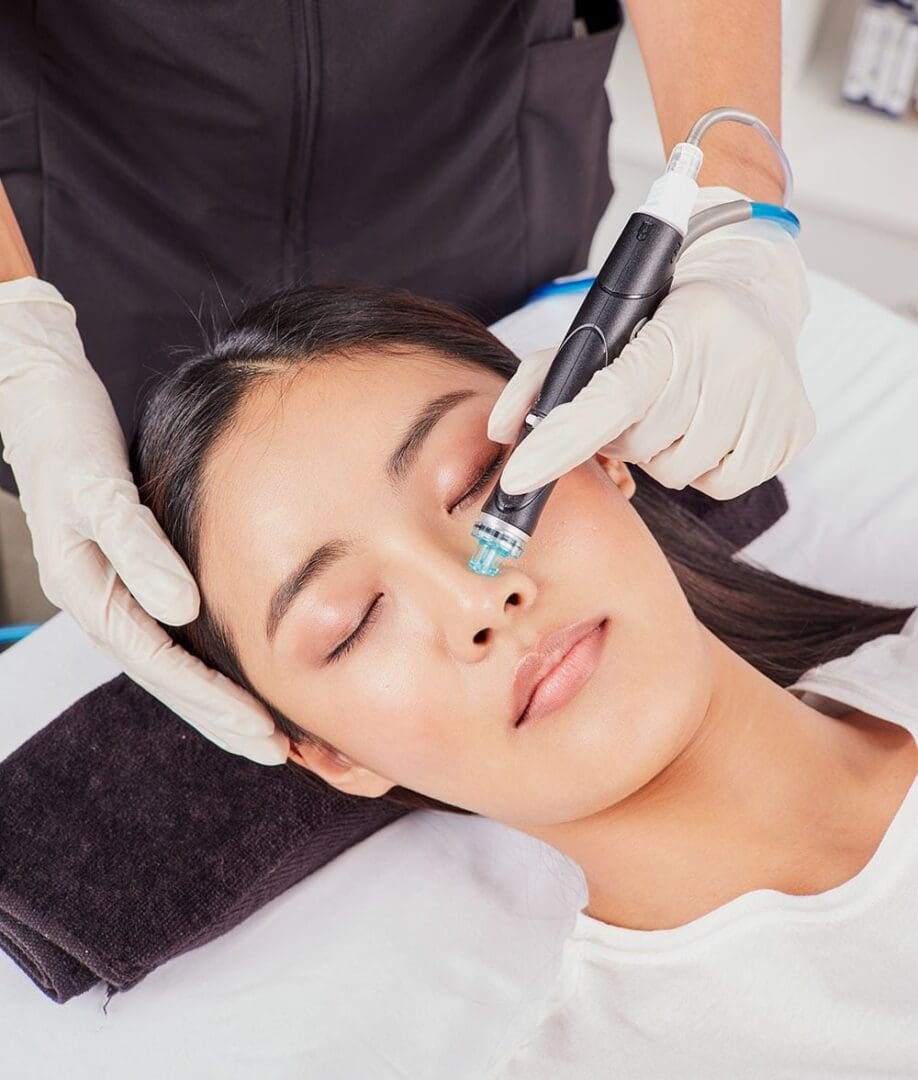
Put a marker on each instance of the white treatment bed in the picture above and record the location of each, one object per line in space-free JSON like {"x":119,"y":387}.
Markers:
{"x":424,"y":950}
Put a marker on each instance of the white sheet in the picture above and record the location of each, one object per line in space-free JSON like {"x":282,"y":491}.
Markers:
{"x":425,"y":949}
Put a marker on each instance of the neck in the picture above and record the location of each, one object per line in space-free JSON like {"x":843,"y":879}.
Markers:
{"x":762,"y":795}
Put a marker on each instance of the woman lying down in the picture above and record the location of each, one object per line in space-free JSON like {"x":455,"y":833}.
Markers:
{"x":750,"y":847}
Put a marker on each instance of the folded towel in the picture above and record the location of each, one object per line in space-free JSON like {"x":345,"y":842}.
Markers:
{"x":127,"y":838}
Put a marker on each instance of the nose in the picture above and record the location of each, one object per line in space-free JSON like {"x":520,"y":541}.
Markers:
{"x":506,"y":592}
{"x":471,"y":610}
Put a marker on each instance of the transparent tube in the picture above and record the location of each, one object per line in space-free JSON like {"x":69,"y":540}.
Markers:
{"x":740,"y":116}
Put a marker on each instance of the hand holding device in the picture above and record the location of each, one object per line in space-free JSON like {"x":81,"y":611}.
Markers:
{"x":708,"y":394}
{"x":689,"y":371}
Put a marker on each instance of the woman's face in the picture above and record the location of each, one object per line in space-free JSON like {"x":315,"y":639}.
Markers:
{"x":425,"y":698}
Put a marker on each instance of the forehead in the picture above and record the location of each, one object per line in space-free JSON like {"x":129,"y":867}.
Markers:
{"x":330,"y":413}
{"x":301,"y":447}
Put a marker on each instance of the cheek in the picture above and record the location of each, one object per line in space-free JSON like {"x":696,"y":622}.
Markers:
{"x":588,"y":527}
{"x":655,"y":679}
{"x":617,"y":560}
{"x":378,"y":705}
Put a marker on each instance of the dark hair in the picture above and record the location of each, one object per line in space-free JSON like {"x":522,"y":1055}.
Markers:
{"x":778,"y":626}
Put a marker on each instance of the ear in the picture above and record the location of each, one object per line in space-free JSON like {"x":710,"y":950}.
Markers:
{"x":618,"y":472}
{"x":339,"y":771}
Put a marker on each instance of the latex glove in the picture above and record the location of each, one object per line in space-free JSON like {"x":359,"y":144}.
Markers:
{"x":94,"y":542}
{"x":709,"y":393}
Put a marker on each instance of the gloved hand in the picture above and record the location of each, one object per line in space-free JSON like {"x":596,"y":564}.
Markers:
{"x":94,"y":542}
{"x":708,"y":394}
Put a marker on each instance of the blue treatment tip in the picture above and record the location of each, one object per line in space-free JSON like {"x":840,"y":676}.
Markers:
{"x":497,"y":540}
{"x":487,"y":559}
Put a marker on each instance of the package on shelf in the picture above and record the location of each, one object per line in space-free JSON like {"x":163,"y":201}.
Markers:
{"x":883,"y":56}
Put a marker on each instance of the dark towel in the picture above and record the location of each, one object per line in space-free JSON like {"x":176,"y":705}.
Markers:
{"x":127,"y":838}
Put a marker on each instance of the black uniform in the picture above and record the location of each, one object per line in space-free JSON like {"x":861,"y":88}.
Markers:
{"x":157,"y":154}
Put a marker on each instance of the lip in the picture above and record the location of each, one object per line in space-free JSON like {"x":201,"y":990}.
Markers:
{"x":549,"y":676}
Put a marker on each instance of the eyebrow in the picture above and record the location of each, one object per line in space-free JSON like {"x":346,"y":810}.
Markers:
{"x":397,"y":468}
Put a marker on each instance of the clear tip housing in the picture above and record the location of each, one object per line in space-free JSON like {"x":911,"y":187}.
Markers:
{"x":487,"y":559}
{"x":496,"y":542}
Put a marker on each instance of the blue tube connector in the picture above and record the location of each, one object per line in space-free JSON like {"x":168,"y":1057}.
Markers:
{"x":787,"y":219}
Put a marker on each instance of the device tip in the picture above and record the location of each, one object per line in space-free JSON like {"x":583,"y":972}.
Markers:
{"x":486,"y":560}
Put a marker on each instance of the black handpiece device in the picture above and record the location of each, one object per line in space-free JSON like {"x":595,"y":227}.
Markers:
{"x":633,"y":281}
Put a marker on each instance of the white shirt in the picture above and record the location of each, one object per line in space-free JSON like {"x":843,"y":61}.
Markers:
{"x":768,"y":984}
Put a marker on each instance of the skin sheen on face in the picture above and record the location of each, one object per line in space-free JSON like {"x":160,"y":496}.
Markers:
{"x":424,"y":699}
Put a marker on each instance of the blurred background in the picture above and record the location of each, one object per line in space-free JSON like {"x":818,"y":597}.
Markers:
{"x":850,"y":127}
{"x":855,"y":162}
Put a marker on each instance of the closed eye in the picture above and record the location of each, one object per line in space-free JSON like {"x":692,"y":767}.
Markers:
{"x":371,"y":614}
{"x":482,"y":482}
{"x":349,"y":642}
